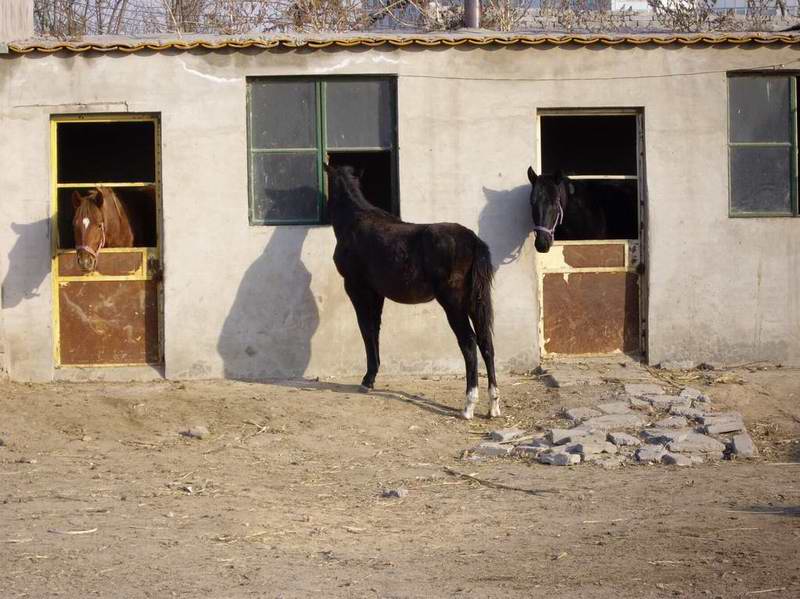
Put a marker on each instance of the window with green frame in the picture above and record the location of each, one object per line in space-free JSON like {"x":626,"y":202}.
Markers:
{"x":296,"y":123}
{"x":762,"y":145}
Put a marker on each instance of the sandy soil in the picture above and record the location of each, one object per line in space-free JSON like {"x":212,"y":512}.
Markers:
{"x":100,"y":495}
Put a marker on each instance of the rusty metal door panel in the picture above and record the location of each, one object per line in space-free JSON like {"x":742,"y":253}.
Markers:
{"x":597,"y":255}
{"x":108,"y":322}
{"x":109,"y":263}
{"x":589,"y":293}
{"x":590,"y":312}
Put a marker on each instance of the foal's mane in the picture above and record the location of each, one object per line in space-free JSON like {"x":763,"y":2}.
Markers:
{"x":352,"y":186}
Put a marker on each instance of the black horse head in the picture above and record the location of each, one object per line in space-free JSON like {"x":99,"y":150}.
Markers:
{"x":549,"y":194}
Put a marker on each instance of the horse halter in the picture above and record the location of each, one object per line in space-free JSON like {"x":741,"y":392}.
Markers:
{"x":552,"y":230}
{"x":88,"y":249}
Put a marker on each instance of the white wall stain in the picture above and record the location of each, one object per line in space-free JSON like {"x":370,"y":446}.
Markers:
{"x":208,"y":77}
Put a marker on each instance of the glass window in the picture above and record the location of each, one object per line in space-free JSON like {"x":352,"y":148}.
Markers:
{"x":294,"y":124}
{"x":762,"y":145}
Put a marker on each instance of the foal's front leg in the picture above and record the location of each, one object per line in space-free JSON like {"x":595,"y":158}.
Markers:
{"x":368,"y":306}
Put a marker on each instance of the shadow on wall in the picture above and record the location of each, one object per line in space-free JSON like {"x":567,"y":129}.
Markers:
{"x":505,"y":222}
{"x":28,"y":263}
{"x":268,"y":332}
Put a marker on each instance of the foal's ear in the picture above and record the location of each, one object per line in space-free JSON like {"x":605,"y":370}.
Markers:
{"x":76,"y":199}
{"x":532,"y":176}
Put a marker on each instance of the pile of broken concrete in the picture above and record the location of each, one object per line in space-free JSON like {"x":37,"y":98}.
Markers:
{"x":644,"y":426}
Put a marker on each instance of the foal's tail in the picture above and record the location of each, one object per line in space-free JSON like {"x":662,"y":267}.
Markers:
{"x":481,"y":292}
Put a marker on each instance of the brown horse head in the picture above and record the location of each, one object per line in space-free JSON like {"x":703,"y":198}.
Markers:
{"x":89,"y":226}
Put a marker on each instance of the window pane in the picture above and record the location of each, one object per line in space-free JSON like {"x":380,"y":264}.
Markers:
{"x":759,"y":108}
{"x":285,"y":187}
{"x":359,"y":113}
{"x":283,"y":114}
{"x":760,"y":179}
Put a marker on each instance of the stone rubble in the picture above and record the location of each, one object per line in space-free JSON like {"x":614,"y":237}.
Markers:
{"x":742,"y":446}
{"x":682,"y":431}
{"x":581,"y":414}
{"x":624,"y":440}
{"x":614,"y":407}
{"x":506,"y":435}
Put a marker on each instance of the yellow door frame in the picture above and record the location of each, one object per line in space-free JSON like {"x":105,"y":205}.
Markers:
{"x":149,"y":255}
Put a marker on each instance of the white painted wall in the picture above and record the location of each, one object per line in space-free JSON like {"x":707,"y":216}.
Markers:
{"x":254,"y":302}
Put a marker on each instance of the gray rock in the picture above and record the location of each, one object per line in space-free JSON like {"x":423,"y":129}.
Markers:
{"x":742,"y":446}
{"x":709,"y":417}
{"x":728,"y":423}
{"x":640,"y":404}
{"x":696,"y":443}
{"x":642,"y":389}
{"x":695,"y":395}
{"x":609,"y":421}
{"x":660,"y":402}
{"x":580,"y":414}
{"x":663,"y":436}
{"x":672,"y":422}
{"x":623,"y":440}
{"x":491,"y":449}
{"x":506,"y":435}
{"x":586,"y":448}
{"x":676,"y":459}
{"x":614,"y":407}
{"x":690,"y":413}
{"x":559,"y":436}
{"x":647,"y":454}
{"x":530,"y":451}
{"x":196,"y":432}
{"x":399,"y":492}
{"x":561,"y":458}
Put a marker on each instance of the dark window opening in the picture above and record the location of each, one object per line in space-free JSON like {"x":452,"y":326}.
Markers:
{"x":589,"y":145}
{"x":376,"y":177}
{"x":139,"y":202}
{"x":119,"y":152}
{"x":295,"y":123}
{"x":599,"y":154}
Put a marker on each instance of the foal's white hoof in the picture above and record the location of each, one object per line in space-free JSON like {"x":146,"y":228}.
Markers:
{"x":494,"y":412}
{"x":467,"y":415}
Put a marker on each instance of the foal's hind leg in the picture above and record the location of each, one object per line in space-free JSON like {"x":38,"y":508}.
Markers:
{"x":459,"y":322}
{"x":486,"y":346}
{"x":368,"y":306}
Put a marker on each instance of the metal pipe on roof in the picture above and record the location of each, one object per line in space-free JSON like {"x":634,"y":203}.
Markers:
{"x":472,"y":14}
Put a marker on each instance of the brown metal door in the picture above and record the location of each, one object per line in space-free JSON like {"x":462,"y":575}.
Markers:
{"x":589,"y":298}
{"x":110,"y":317}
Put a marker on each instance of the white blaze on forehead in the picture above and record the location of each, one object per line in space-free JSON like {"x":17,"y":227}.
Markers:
{"x":85,"y":222}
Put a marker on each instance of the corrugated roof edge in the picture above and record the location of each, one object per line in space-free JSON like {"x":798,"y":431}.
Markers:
{"x":346,"y":40}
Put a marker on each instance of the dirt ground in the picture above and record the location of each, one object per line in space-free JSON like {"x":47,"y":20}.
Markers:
{"x":100,"y":495}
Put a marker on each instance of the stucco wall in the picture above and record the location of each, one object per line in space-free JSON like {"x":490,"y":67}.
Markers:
{"x":252,"y":302}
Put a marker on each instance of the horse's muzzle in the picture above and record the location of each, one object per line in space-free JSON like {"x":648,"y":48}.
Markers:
{"x":543,"y":243}
{"x":86,"y":262}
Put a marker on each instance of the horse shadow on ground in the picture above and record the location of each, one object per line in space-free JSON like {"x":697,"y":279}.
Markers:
{"x":423,"y":403}
{"x":274,"y":316}
{"x":505,"y":222}
{"x":28,"y":264}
